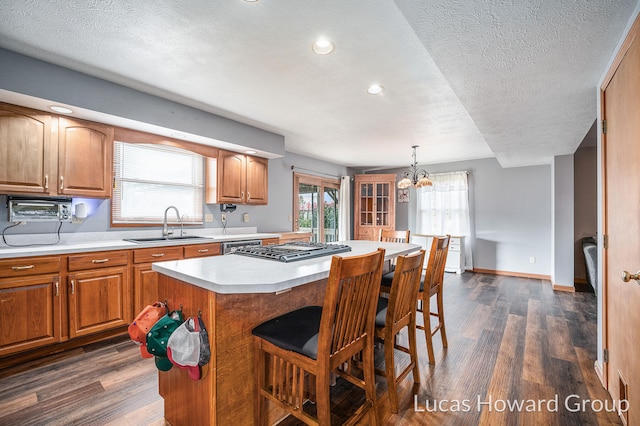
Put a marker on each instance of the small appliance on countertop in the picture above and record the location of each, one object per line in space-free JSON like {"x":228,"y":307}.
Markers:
{"x":39,"y":209}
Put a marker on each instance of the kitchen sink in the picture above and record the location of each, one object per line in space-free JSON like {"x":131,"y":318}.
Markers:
{"x":161,"y":239}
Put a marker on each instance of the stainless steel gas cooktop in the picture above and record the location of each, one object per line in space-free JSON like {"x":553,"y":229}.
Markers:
{"x":291,"y":252}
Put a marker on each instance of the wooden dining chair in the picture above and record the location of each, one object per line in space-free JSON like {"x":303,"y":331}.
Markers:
{"x":432,"y":285}
{"x":316,"y":340}
{"x":394,"y":236}
{"x":396,"y":313}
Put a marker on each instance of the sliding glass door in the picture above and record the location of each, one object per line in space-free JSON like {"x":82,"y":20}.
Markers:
{"x":315,"y":207}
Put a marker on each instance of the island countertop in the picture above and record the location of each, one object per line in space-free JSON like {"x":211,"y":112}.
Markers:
{"x":237,"y":274}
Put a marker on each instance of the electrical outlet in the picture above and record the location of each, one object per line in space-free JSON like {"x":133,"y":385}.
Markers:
{"x":290,"y":218}
{"x":532,"y":259}
{"x":208,"y":217}
{"x":223,"y":217}
{"x":245,"y":217}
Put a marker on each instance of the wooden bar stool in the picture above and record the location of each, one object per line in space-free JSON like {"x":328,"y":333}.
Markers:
{"x":317,"y":340}
{"x":432,"y":285}
{"x":392,"y":236}
{"x":396,"y":313}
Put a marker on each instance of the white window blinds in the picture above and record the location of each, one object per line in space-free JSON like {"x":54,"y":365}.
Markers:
{"x":150,"y":178}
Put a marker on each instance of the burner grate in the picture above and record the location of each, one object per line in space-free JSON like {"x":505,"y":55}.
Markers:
{"x":291,"y":252}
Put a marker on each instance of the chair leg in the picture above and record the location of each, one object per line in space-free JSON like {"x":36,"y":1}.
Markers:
{"x":413,"y":349}
{"x":370,"y":380}
{"x":323,"y":401}
{"x":390,"y":372}
{"x":259,"y":414}
{"x":426,"y":316}
{"x":443,"y":331}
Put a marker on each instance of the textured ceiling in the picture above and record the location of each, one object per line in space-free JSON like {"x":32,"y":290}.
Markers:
{"x":463,"y":79}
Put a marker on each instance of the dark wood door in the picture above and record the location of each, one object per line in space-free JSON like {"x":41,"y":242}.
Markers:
{"x":622,"y":227}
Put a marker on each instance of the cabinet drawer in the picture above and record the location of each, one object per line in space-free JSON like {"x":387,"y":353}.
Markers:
{"x":199,"y":250}
{"x":29,"y":266}
{"x":157,"y":254}
{"x":454,"y":240}
{"x":454,"y":247}
{"x":103,"y":259}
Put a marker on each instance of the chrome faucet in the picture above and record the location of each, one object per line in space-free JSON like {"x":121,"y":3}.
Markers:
{"x":165,"y":227}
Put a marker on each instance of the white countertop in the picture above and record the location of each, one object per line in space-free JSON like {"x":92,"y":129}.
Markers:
{"x":105,"y":241}
{"x":233,"y":274}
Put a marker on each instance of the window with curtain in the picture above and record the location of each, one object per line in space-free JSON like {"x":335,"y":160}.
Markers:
{"x":150,"y":178}
{"x":444,"y":208}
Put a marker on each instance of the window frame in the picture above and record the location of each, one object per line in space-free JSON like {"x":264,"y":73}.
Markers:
{"x":137,"y":137}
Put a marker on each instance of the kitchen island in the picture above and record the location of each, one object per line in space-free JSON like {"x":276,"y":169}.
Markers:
{"x":234,"y":294}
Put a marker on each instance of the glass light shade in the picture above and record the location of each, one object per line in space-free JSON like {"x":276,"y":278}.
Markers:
{"x":404,"y":183}
{"x":423,"y":181}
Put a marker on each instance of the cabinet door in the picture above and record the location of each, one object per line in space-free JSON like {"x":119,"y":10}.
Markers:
{"x":232,"y":180}
{"x":145,"y":287}
{"x":257,"y":180}
{"x":25,"y":150}
{"x":85,"y":158}
{"x":29,"y":313}
{"x":99,"y":300}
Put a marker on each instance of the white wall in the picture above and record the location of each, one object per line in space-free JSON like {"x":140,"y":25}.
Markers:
{"x":510,"y":214}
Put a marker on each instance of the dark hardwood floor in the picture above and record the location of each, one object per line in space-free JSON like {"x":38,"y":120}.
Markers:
{"x":510,"y":340}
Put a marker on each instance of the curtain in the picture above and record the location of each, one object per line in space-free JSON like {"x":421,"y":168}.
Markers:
{"x":444,"y":208}
{"x":344,"y":209}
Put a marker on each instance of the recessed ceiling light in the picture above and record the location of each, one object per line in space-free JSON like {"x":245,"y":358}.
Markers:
{"x":60,"y":109}
{"x":323,"y":46}
{"x":375,"y":89}
{"x":250,"y":151}
{"x":251,"y":1}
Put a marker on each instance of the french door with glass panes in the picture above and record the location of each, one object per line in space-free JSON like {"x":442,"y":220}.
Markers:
{"x":315,"y":207}
{"x":375,"y":205}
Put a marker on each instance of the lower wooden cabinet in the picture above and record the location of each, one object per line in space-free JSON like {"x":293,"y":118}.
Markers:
{"x":30,"y":309}
{"x":46,"y":300}
{"x":145,"y":280}
{"x":98,"y":300}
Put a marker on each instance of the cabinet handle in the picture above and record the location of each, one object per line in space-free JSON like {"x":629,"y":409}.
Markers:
{"x":57,"y":286}
{"x":22,"y":268}
{"x":157,"y":255}
{"x":73,"y":286}
{"x":46,"y":182}
{"x":61,"y":183}
{"x":242,"y":195}
{"x":248,"y":195}
{"x":100,"y":260}
{"x":203,"y":250}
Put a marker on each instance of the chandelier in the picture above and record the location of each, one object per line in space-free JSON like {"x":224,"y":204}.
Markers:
{"x":414,"y":177}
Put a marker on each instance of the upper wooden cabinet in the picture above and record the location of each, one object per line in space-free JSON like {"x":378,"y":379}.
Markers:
{"x":237,"y":178}
{"x":25,"y":150}
{"x":45,"y":154}
{"x":375,"y":205}
{"x":85,"y":158}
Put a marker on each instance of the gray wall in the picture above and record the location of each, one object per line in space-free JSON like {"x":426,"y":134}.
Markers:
{"x":563,"y":241}
{"x":585,"y":196}
{"x":510,"y":214}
